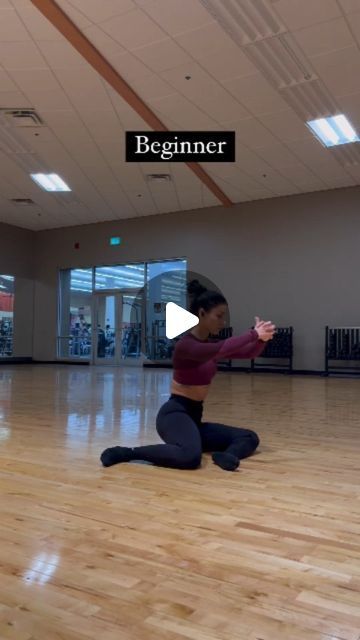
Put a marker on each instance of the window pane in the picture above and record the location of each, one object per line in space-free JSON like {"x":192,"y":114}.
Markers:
{"x":127,"y":276}
{"x":6,"y":315}
{"x":166,"y":283}
{"x":75,"y":313}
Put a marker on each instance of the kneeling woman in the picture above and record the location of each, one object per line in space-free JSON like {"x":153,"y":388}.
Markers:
{"x":179,"y":421}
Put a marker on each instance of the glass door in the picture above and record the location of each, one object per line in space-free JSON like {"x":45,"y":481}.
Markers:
{"x":106,"y":328}
{"x":131,"y":327}
{"x":118,"y":322}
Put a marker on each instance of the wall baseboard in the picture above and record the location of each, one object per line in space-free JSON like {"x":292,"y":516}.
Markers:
{"x":16,"y":360}
{"x":32,"y":361}
{"x":82,"y":363}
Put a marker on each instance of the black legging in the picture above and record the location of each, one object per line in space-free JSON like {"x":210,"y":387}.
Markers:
{"x":179,"y":424}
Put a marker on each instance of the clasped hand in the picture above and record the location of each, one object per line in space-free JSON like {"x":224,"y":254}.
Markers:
{"x":265,"y":329}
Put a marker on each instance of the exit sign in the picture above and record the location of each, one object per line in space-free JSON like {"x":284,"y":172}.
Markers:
{"x":115,"y":241}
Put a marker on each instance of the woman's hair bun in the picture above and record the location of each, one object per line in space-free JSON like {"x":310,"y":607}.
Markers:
{"x":195,"y":288}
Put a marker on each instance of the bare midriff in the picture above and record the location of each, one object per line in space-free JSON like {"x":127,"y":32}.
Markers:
{"x":193,"y":392}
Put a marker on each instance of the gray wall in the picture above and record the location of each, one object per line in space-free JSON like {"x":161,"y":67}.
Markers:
{"x":17,"y":259}
{"x":293,"y":260}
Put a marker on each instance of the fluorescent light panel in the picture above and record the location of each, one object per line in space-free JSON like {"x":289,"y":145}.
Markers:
{"x":334,"y":131}
{"x":50,"y":182}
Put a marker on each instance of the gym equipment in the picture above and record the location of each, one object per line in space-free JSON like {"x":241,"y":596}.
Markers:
{"x":279,"y":348}
{"x":342,"y":344}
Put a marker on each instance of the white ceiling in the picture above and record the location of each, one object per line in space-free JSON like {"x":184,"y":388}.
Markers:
{"x":242,"y":83}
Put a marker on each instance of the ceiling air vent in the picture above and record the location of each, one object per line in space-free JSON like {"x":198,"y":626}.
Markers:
{"x":23,"y":117}
{"x":158,"y":177}
{"x":22,"y":202}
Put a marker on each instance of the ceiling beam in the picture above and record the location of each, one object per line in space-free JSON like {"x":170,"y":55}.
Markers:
{"x":61,"y":21}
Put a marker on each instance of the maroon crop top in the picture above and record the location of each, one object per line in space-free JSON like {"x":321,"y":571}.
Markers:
{"x":194,"y":360}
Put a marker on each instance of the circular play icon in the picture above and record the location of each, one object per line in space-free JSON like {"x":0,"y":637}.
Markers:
{"x":160,"y":313}
{"x":178,"y":320}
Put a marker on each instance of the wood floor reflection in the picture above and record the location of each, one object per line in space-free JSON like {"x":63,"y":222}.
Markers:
{"x":143,"y":553}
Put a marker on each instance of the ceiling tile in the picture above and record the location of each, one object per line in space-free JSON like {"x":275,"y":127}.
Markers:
{"x":350,"y":105}
{"x":253,"y":133}
{"x":191,"y":198}
{"x":325,"y":37}
{"x":34,"y":79}
{"x":184,"y":178}
{"x":6,"y":83}
{"x":165,"y":197}
{"x":11,"y":27}
{"x":277,"y":155}
{"x":343,"y":58}
{"x":152,"y":87}
{"x":278,"y":184}
{"x":224,"y":108}
{"x":116,"y":198}
{"x":334,"y":68}
{"x":176,"y":17}
{"x":129,"y":175}
{"x":205,"y":93}
{"x":92,"y":95}
{"x":163,"y":55}
{"x":296,"y":16}
{"x":66,"y":118}
{"x":286,"y":126}
{"x":130,"y":68}
{"x":61,"y":55}
{"x":236,"y":194}
{"x":354,"y":21}
{"x":354,"y":171}
{"x":256,"y":94}
{"x":20,"y":55}
{"x":55,"y":99}
{"x":100,"y":11}
{"x":349,"y":6}
{"x":315,"y":155}
{"x":14,"y":99}
{"x":39,"y":27}
{"x":228,"y":171}
{"x":250,"y":163}
{"x":133,"y":30}
{"x":216,"y":52}
{"x":128,"y":118}
{"x":228,"y":65}
{"x":182,"y":112}
{"x":189,"y":79}
{"x":102,"y":123}
{"x":143,"y":205}
{"x":78,"y":17}
{"x":105,"y":44}
{"x":302,"y":177}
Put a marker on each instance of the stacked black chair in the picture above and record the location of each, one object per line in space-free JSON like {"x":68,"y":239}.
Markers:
{"x":279,"y":348}
{"x":342,"y":344}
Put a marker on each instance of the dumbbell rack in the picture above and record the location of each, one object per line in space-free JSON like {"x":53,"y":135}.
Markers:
{"x":342,"y":344}
{"x":279,"y":348}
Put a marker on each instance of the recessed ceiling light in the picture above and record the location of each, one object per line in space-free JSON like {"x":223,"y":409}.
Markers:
{"x":50,"y":182}
{"x":334,"y":131}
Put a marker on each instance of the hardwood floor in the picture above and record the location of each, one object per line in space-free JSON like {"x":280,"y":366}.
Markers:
{"x":271,"y":552}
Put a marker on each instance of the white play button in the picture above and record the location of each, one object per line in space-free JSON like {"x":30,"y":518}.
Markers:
{"x":178,"y":320}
